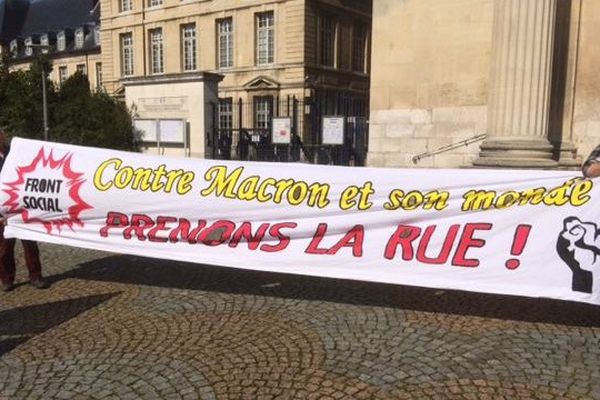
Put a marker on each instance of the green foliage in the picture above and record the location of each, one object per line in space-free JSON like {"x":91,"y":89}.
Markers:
{"x":91,"y":119}
{"x":20,"y":99}
{"x":4,"y":71}
{"x":76,"y":114}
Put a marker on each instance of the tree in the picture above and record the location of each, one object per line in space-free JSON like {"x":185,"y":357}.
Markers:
{"x":76,"y":115}
{"x":4,"y":69}
{"x":21,"y":109}
{"x":91,"y":119}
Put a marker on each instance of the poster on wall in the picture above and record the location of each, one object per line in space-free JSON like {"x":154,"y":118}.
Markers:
{"x":172,"y":130}
{"x":333,"y":130}
{"x":517,"y":232}
{"x":148,"y":129}
{"x":282,"y":130}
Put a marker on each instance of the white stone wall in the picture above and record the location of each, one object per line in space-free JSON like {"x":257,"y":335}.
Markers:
{"x":429,"y":80}
{"x":185,"y":100}
{"x":586,"y":113}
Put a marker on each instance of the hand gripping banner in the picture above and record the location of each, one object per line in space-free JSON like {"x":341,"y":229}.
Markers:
{"x":519,"y":232}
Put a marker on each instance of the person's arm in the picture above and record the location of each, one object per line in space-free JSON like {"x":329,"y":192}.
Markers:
{"x":591,"y":166}
{"x":592,"y":170}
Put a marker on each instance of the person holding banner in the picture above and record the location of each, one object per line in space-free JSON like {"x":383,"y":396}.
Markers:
{"x":7,"y":246}
{"x":244,"y":144}
{"x":591,"y":166}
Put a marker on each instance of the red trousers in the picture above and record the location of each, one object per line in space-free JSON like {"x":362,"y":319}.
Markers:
{"x":7,"y":259}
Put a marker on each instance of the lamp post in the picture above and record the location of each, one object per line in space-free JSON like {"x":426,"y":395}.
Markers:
{"x":44,"y":101}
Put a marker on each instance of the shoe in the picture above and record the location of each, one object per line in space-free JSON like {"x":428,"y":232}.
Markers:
{"x":8,"y":287}
{"x":40,"y":283}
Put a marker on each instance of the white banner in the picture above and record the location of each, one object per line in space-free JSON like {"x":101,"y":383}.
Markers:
{"x":530,"y":233}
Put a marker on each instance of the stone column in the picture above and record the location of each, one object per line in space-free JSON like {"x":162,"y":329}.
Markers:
{"x":566,"y":48}
{"x":519,"y":92}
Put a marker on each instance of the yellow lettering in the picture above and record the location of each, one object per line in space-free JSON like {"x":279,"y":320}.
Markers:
{"x":221,"y":183}
{"x":231,"y":185}
{"x":507,"y":199}
{"x":281,"y":187}
{"x":437,"y":200}
{"x":365,"y":192}
{"x":297,"y":193}
{"x":532,"y":196}
{"x":142,"y":178}
{"x":318,"y":195}
{"x":247,"y":189}
{"x":172,"y":177}
{"x":477,"y":200}
{"x":395,"y":200}
{"x":573,"y":192}
{"x":100,"y":171}
{"x":159,"y":173}
{"x":261,"y":195}
{"x":412,"y":200}
{"x":185,"y":183}
{"x":123,"y":177}
{"x":347,"y":198}
{"x":557,"y":196}
{"x":579,"y":195}
{"x":415,"y":199}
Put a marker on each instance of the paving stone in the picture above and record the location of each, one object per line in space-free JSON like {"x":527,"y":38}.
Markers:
{"x":114,"y":326}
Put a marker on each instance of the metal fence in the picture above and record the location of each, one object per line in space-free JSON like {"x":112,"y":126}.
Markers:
{"x":243,"y":130}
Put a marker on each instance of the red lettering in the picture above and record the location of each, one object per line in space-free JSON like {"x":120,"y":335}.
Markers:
{"x":139,"y":222}
{"x":446,"y":247}
{"x":114,"y":220}
{"x":223,"y":229}
{"x":245,"y":231}
{"x":160,"y":226}
{"x":183,"y":230}
{"x":313,"y":246}
{"x":466,"y":242}
{"x":354,"y":238}
{"x":275,"y":232}
{"x":404,"y":236}
{"x":142,"y":227}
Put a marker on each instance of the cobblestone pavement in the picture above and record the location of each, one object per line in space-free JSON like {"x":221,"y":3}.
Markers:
{"x":123,"y":327}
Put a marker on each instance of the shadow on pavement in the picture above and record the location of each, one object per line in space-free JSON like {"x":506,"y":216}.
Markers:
{"x":18,"y":325}
{"x":178,"y":275}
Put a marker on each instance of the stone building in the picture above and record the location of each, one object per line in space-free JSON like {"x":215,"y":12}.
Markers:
{"x":165,"y":58}
{"x":67,"y":31}
{"x":522,"y":73}
{"x":266,"y":51}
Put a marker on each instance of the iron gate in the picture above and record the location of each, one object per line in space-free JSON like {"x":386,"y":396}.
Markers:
{"x":243,"y":130}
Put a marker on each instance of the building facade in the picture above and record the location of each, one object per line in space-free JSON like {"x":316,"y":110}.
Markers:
{"x":66,"y":31}
{"x":164,"y":58}
{"x":488,"y":83}
{"x":270,"y":54}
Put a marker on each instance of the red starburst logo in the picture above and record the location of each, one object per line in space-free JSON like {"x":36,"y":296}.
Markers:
{"x":46,"y":188}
